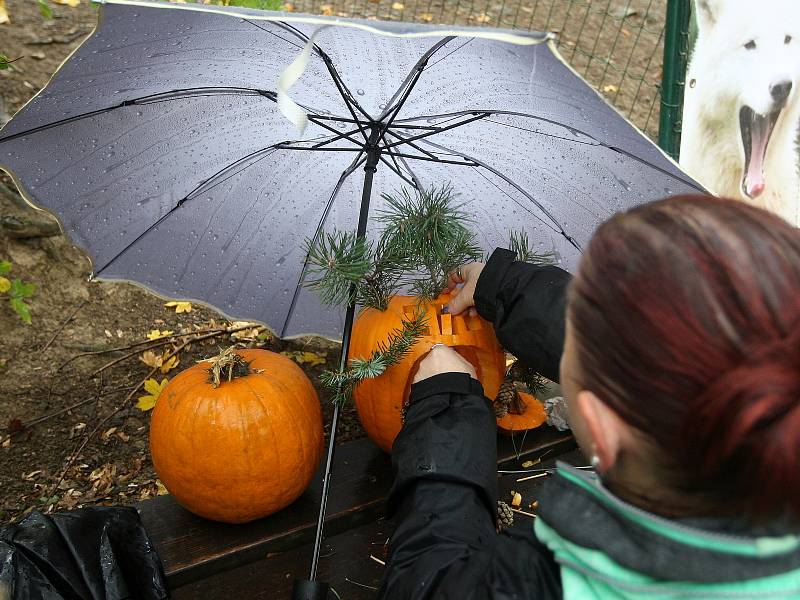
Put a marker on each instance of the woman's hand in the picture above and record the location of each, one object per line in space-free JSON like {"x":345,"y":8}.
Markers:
{"x":443,"y":359}
{"x":463,"y":298}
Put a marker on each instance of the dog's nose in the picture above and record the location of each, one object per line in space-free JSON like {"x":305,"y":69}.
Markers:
{"x":780,"y":91}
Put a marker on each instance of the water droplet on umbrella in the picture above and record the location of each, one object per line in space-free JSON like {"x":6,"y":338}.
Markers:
{"x":381,"y":106}
{"x":360,"y":92}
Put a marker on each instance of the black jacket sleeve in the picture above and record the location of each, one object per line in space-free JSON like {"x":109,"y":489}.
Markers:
{"x":444,"y":497}
{"x":527,"y":305}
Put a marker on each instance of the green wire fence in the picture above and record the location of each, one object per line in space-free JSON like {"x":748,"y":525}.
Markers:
{"x":631,"y":51}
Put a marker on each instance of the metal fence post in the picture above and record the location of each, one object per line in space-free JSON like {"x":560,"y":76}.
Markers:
{"x":676,"y":59}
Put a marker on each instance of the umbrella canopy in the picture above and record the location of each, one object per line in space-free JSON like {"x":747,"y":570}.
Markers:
{"x":161,"y":147}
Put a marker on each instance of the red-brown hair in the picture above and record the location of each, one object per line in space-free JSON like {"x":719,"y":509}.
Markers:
{"x":686,"y":315}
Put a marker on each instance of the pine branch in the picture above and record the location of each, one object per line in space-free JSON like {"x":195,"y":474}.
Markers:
{"x":532,"y":379}
{"x":387,"y":354}
{"x":427,"y":235}
{"x":521,"y":246}
{"x":338,"y":261}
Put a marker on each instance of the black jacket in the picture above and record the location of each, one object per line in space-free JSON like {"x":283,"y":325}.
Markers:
{"x":445,"y":545}
{"x":445,"y":459}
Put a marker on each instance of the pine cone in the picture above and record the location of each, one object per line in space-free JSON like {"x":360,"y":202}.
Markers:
{"x":506,"y":396}
{"x":505,"y":516}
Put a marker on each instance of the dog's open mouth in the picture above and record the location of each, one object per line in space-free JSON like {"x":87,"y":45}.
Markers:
{"x":756,"y":130}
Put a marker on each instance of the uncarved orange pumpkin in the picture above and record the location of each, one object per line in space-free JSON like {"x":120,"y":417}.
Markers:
{"x":242,"y":450}
{"x":380,"y":400}
{"x":533,"y":416}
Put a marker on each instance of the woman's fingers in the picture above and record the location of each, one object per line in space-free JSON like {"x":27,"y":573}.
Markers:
{"x":453,"y":280}
{"x":463,"y":298}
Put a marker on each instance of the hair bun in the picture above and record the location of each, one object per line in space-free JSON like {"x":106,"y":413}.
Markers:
{"x":749,"y":421}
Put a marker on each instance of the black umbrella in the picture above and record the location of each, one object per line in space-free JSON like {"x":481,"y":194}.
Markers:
{"x":165,"y":147}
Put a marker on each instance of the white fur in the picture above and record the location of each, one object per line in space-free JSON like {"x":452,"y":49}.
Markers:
{"x":724,"y":76}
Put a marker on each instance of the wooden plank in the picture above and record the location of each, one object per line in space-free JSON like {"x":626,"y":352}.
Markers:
{"x":192,"y":548}
{"x":533,"y":444}
{"x":345,"y":562}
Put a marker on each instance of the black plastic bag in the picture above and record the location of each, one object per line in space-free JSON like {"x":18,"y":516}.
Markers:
{"x":91,"y":553}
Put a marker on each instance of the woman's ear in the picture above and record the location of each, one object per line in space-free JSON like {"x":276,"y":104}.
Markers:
{"x":606,"y":430}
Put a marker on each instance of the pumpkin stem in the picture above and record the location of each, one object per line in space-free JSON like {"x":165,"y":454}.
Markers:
{"x":230,"y":363}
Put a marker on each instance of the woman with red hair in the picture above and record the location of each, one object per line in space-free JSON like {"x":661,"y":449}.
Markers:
{"x":681,"y":367}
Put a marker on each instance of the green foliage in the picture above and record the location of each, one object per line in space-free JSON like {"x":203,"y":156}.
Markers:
{"x":260,"y":4}
{"x":425,"y":233}
{"x":519,"y":244}
{"x":17,"y":291}
{"x":424,"y":239}
{"x":535,"y":383}
{"x":387,"y":354}
{"x":5,"y":62}
{"x":45,"y":10}
{"x":340,"y":261}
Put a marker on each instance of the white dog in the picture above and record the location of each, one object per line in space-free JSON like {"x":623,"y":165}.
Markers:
{"x":742,"y":103}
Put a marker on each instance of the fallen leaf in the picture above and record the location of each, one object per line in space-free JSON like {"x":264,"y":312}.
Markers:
{"x":398,"y":6}
{"x":326,"y":9}
{"x":70,"y":3}
{"x":45,"y":10}
{"x":163,"y":362}
{"x":169,"y":364}
{"x":610,"y":89}
{"x":5,"y":285}
{"x":180,"y":307}
{"x":107,"y":433}
{"x":154,"y":389}
{"x":427,"y":17}
{"x":156,"y":334}
{"x":162,"y":490}
{"x":6,"y":442}
{"x":151,"y":359}
{"x":108,"y":333}
{"x":4,"y":13}
{"x":288,"y":7}
{"x":624,"y":32}
{"x":305,"y":358}
{"x":481,"y":18}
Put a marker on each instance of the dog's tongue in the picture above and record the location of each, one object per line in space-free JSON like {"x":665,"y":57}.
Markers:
{"x":759,"y":137}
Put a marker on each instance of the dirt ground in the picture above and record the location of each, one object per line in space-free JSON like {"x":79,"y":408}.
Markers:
{"x":70,"y":433}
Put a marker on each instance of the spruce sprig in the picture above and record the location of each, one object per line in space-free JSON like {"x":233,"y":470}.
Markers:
{"x":385,"y":355}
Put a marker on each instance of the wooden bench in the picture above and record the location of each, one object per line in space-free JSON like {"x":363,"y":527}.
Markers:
{"x":208,"y":560}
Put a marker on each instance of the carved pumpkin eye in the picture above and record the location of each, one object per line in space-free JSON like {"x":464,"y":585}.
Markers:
{"x":751,"y":45}
{"x":787,"y":39}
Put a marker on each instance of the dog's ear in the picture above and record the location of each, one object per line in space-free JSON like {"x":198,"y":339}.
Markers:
{"x":707,"y":13}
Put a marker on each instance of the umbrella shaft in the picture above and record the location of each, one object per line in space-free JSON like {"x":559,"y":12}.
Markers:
{"x":373,"y":155}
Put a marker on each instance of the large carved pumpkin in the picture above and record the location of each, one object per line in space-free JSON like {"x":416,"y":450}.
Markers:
{"x":244,"y":449}
{"x":380,"y":400}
